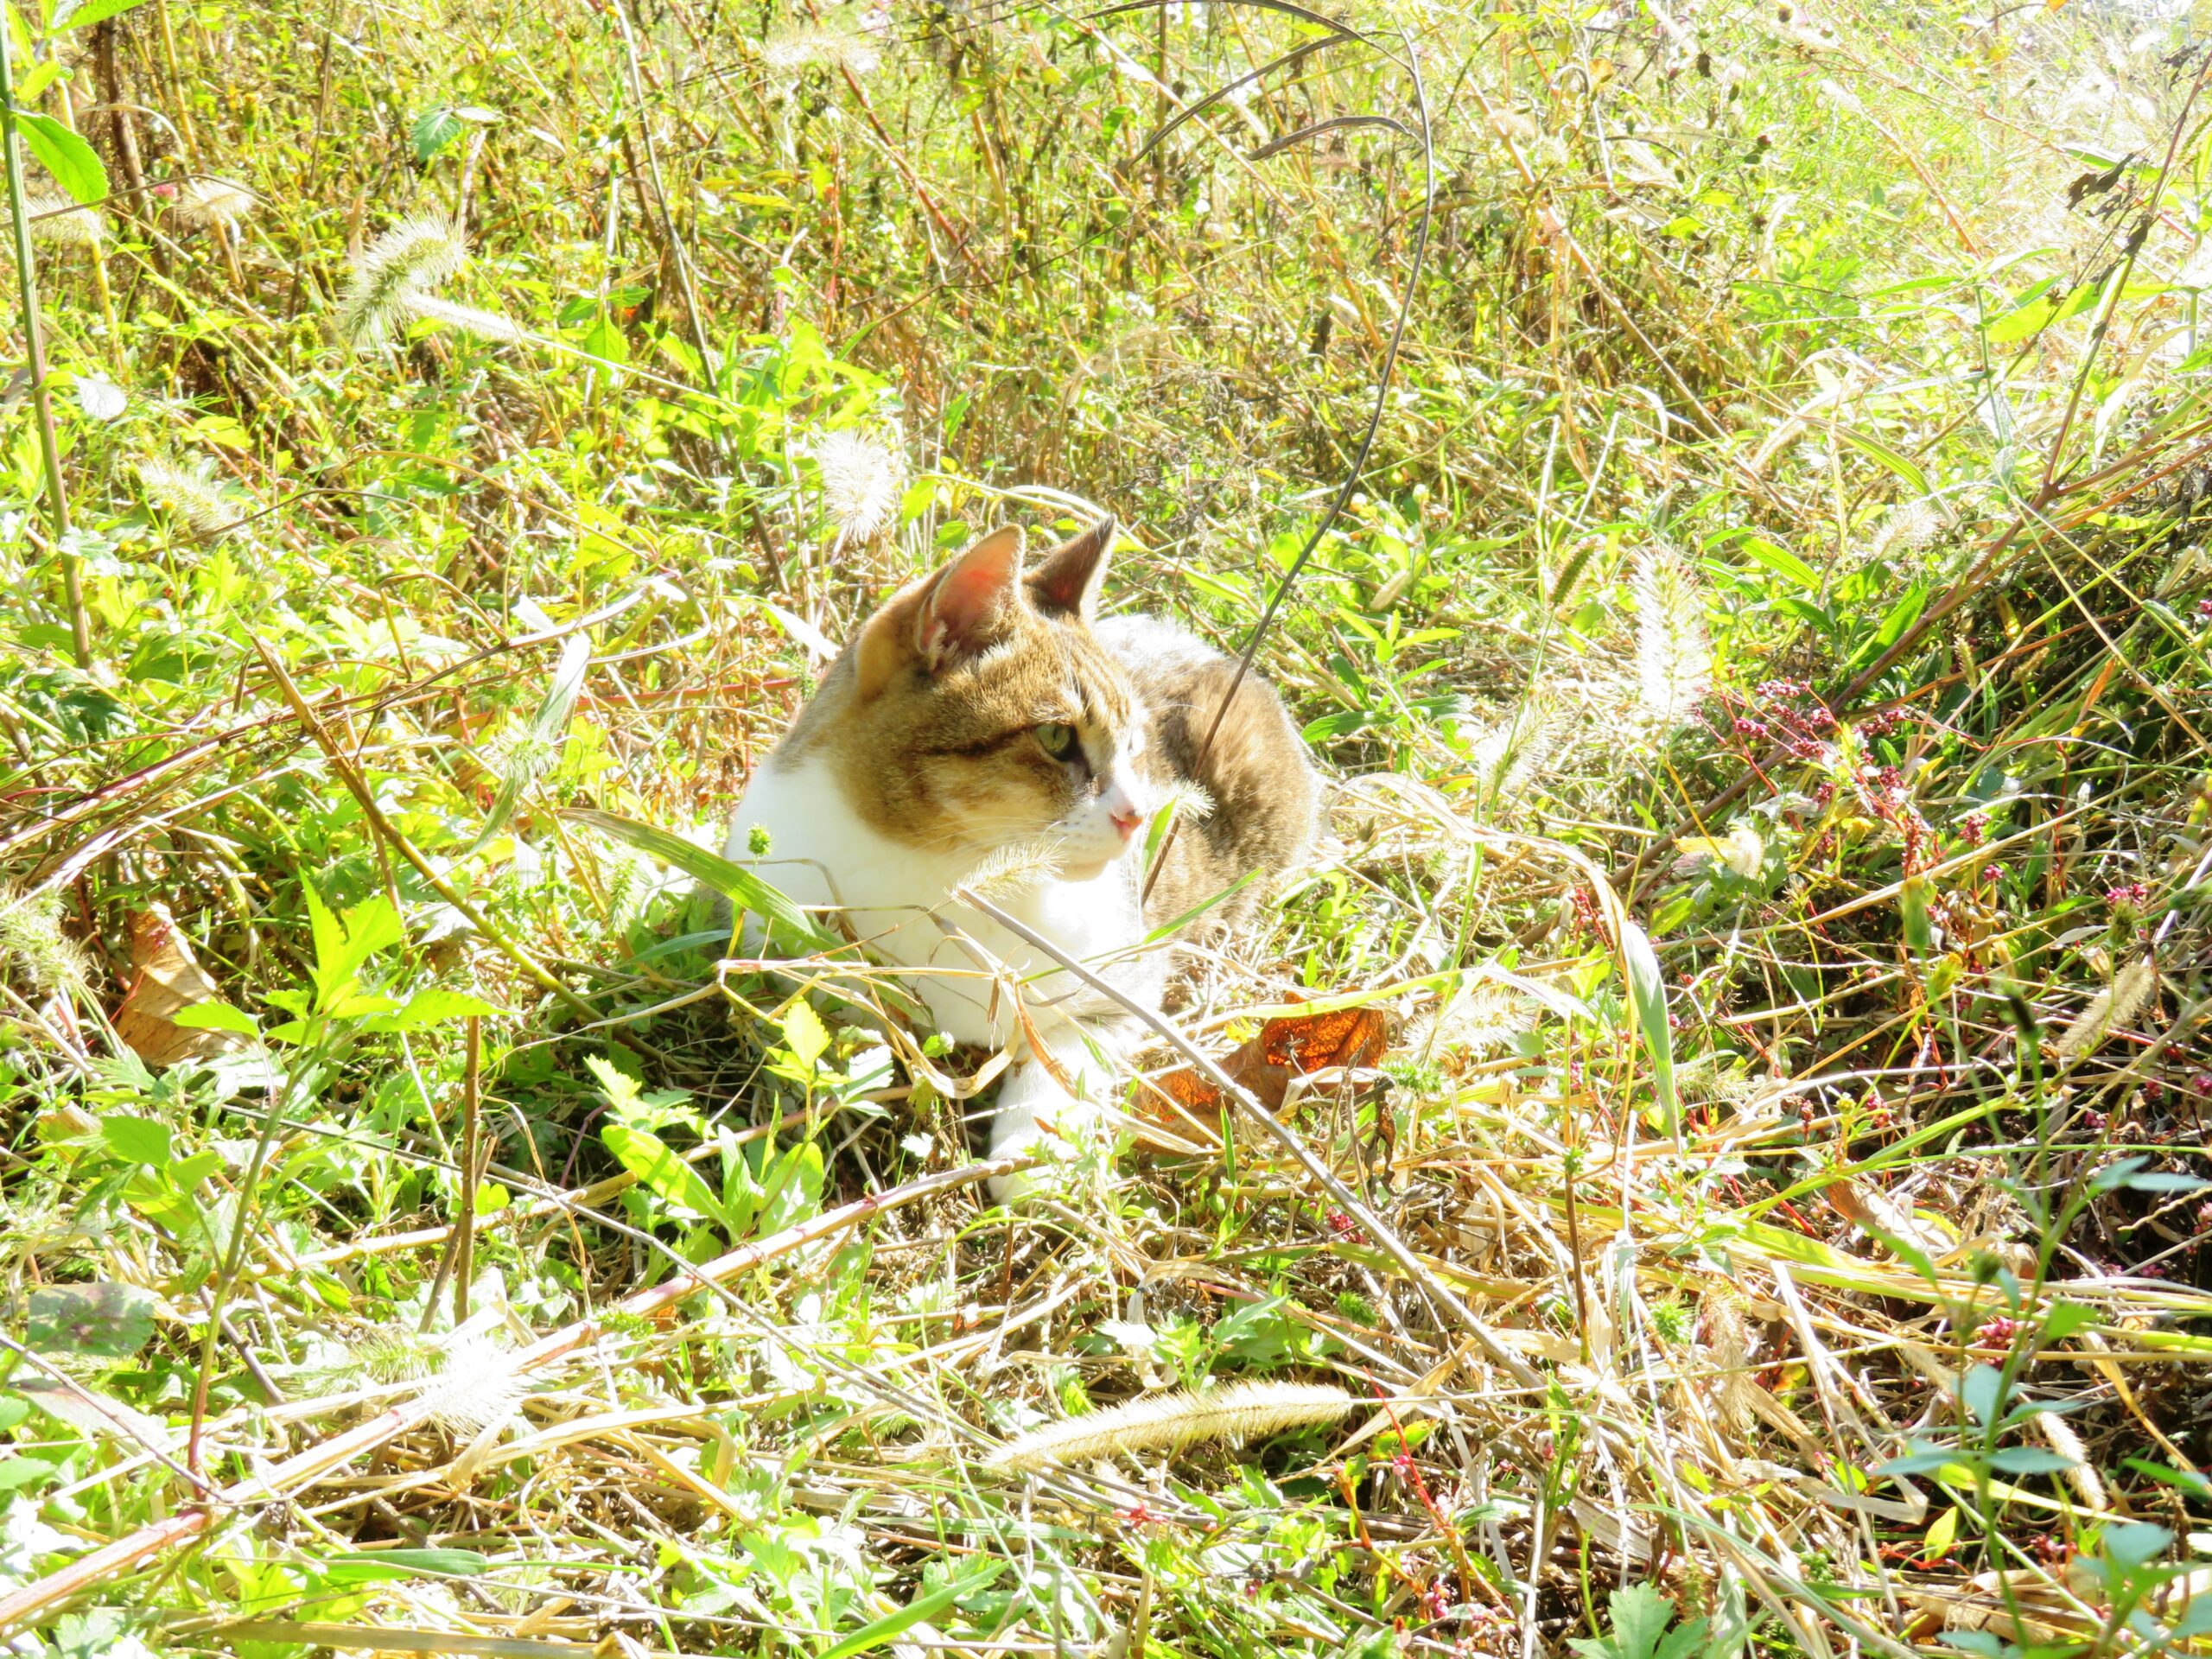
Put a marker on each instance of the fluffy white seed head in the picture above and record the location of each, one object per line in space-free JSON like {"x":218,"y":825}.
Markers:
{"x":413,"y":257}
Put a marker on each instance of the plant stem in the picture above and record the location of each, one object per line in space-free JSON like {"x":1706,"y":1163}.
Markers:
{"x":57,"y":502}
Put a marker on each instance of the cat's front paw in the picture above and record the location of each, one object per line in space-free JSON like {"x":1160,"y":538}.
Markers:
{"x":1037,"y":1116}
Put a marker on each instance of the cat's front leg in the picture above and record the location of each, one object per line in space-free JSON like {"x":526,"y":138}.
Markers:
{"x":1061,"y":1112}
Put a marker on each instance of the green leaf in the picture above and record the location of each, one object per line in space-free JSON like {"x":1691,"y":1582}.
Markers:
{"x":215,"y":1016}
{"x":433,"y":130}
{"x":1942,"y":1534}
{"x":793,"y":1186}
{"x":2065,"y":1320}
{"x":138,"y":1139}
{"x":1982,"y":1389}
{"x":40,"y":76}
{"x":914,"y":1612}
{"x":1882,"y":456}
{"x":2029,"y":1460}
{"x":1648,"y":993}
{"x":103,"y":1318}
{"x":804,"y":1034}
{"x":2133,"y":1543}
{"x":606,"y":342}
{"x":739,"y":886}
{"x":378,"y":1566}
{"x":535,"y":756}
{"x":1912,"y":899}
{"x":95,"y":11}
{"x":661,"y":1171}
{"x":1783,"y":562}
{"x":75,"y":168}
{"x":1640,"y":1617}
{"x":15,"y":1473}
{"x":435,"y":1007}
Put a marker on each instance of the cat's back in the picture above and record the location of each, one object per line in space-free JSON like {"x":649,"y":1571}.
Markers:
{"x":1265,"y":795}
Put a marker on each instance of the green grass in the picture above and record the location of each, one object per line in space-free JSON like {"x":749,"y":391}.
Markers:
{"x":1763,"y":669}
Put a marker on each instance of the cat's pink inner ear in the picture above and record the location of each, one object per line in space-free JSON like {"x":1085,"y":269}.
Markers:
{"x":973,"y":600}
{"x":1067,"y":581}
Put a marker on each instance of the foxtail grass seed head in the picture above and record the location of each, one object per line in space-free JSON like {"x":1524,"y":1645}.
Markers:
{"x":850,"y":40}
{"x":413,"y":256}
{"x":2111,"y":1009}
{"x":862,"y":480}
{"x":62,"y":223}
{"x":208,"y":202}
{"x":33,"y":948}
{"x":468,"y":319}
{"x":1245,"y":1411}
{"x":193,"y":494}
{"x":1673,"y":663}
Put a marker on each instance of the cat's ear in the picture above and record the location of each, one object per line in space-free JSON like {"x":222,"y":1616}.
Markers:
{"x":1066,"y":580}
{"x":973,"y":600}
{"x":952,"y":613}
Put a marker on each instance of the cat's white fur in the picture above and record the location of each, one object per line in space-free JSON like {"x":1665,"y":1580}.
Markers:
{"x":1077,"y":886}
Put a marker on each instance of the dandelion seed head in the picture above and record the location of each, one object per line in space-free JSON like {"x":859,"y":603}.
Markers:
{"x":845,"y":41}
{"x":208,"y":202}
{"x":862,"y":481}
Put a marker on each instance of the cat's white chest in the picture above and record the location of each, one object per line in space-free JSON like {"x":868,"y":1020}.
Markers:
{"x":897,"y":901}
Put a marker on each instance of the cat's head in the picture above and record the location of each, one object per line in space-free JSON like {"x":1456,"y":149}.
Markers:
{"x":982,"y":714}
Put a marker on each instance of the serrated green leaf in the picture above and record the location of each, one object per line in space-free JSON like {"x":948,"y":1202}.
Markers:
{"x":95,"y":11}
{"x":433,"y":1007}
{"x":804,"y":1034}
{"x":72,"y":161}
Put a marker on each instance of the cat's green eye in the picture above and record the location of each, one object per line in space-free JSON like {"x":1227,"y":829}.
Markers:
{"x":1056,"y":741}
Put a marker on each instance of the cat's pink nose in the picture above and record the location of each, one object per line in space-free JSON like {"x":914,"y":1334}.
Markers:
{"x":1128,"y":823}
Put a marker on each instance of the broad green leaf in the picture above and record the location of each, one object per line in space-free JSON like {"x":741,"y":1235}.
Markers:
{"x":74,"y":165}
{"x":216,"y":1016}
{"x":139,"y":1139}
{"x":103,"y":1318}
{"x":95,"y":11}
{"x":2134,"y":1543}
{"x":433,"y":130}
{"x":804,"y":1034}
{"x":661,"y":1171}
{"x":606,"y":342}
{"x":1982,"y":1389}
{"x":2066,"y":1319}
{"x":15,"y":1473}
{"x":2029,"y":1460}
{"x":1912,"y":900}
{"x":892,"y":1625}
{"x":739,"y":886}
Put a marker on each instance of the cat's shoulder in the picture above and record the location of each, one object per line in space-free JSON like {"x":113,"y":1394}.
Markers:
{"x":1151,"y":647}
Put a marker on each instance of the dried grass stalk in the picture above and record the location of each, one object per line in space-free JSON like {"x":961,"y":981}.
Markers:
{"x":1168,"y":1422}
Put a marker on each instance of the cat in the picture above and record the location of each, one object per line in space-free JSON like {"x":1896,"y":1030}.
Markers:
{"x":986,"y":725}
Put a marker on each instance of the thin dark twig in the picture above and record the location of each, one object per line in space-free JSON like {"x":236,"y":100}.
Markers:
{"x":1354,"y":472}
